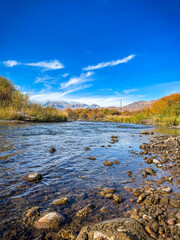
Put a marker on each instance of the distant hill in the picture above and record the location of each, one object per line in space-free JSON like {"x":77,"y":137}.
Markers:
{"x":135,"y":106}
{"x":63,"y":105}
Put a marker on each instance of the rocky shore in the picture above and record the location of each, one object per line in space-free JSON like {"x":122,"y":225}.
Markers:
{"x":156,"y":204}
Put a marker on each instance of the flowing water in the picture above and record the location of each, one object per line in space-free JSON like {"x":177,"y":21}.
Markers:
{"x":68,"y":171}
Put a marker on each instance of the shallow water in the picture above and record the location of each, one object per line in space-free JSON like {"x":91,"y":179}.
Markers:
{"x":68,"y":171}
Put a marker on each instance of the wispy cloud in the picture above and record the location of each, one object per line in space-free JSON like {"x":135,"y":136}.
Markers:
{"x":10,"y":63}
{"x":65,"y":75}
{"x":109,"y":64}
{"x":130,"y":91}
{"x":45,"y":79}
{"x":51,"y":65}
{"x":45,"y":65}
{"x":83,"y":78}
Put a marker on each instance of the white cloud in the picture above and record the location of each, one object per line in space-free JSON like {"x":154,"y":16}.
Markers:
{"x":44,"y":79}
{"x":130,"y":91}
{"x":10,"y":63}
{"x":83,"y":78}
{"x":65,"y":75}
{"x":51,"y":65}
{"x":45,"y":65}
{"x":109,"y":64}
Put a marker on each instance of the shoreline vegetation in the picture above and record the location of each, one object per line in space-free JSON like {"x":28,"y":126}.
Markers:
{"x":164,"y":112}
{"x":16,"y":107}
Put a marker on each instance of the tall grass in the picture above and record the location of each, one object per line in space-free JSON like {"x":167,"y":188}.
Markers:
{"x":16,"y":106}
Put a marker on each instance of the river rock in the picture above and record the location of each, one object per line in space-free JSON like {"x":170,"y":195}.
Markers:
{"x":92,"y":158}
{"x":67,"y":234}
{"x":32,"y":211}
{"x":87,"y":148}
{"x":52,"y":150}
{"x":166,"y":189}
{"x":33,"y":177}
{"x":116,"y":229}
{"x":117,"y":198}
{"x":116,"y":162}
{"x":51,"y":220}
{"x":109,"y":190}
{"x":61,"y":201}
{"x":108,"y":163}
{"x":85,"y":211}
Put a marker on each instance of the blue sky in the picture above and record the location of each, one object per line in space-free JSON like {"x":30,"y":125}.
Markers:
{"x":93,"y":51}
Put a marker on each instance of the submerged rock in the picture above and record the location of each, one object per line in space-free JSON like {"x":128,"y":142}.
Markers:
{"x":51,"y":220}
{"x":52,"y":150}
{"x":32,"y":212}
{"x":91,"y":158}
{"x":33,"y":177}
{"x":61,"y":201}
{"x":116,"y":229}
{"x":108,"y":163}
{"x":85,"y":211}
{"x":87,"y":148}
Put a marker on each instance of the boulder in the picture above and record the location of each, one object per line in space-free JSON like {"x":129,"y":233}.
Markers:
{"x":51,"y":220}
{"x":116,"y":229}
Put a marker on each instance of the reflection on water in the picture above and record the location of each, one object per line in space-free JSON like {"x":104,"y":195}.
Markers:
{"x":68,"y":171}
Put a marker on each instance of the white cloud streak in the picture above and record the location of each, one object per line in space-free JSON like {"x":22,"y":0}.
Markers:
{"x":109,"y":64}
{"x":51,"y":65}
{"x":45,"y":65}
{"x":130,"y":91}
{"x":10,"y":63}
{"x":83,"y":78}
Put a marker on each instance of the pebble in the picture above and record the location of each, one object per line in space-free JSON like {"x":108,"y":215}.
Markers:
{"x":33,"y":177}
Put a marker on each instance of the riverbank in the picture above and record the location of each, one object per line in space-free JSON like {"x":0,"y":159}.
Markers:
{"x":76,"y":175}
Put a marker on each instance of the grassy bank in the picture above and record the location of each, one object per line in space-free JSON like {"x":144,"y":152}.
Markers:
{"x":164,"y":112}
{"x":16,"y":106}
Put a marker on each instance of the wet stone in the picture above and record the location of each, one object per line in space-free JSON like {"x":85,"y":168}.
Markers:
{"x":85,"y":211}
{"x":52,"y":150}
{"x":61,"y":201}
{"x":33,"y":177}
{"x":108,"y":163}
{"x":51,"y":220}
{"x":92,"y":158}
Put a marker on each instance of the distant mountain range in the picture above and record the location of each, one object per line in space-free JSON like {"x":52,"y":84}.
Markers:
{"x":63,"y":105}
{"x":135,"y":106}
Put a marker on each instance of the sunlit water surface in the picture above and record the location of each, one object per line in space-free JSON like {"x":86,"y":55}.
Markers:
{"x":68,"y":171}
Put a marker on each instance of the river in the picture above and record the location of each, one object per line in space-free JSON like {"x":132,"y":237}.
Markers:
{"x":68,"y":171}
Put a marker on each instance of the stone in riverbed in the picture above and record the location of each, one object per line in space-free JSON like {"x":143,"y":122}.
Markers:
{"x":67,"y":234}
{"x":85,"y":211}
{"x":174,"y":202}
{"x":87,"y":148}
{"x":109,"y":190}
{"x":109,"y":195}
{"x":120,"y":228}
{"x":52,"y":150}
{"x":33,"y":177}
{"x":166,"y":189}
{"x":117,"y":198}
{"x":129,"y":173}
{"x":91,"y":158}
{"x":51,"y":220}
{"x":61,"y":201}
{"x":108,"y":163}
{"x":116,"y":162}
{"x":32,"y":211}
